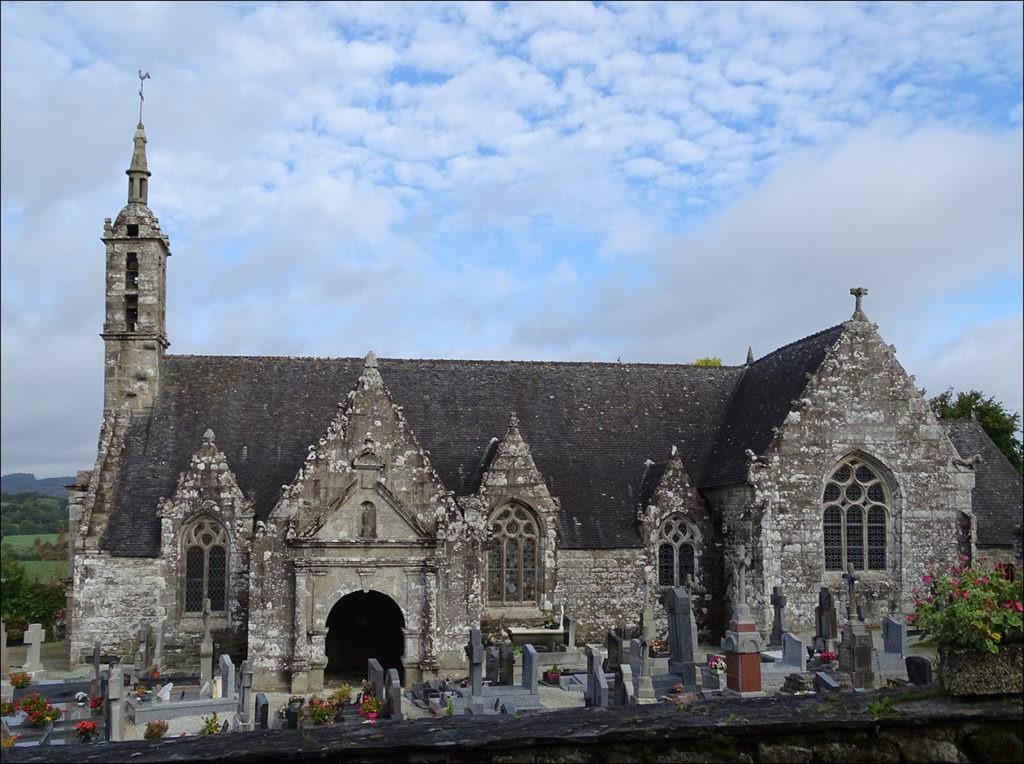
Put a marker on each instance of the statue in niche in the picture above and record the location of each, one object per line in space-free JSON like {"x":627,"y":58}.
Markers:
{"x":368,"y":521}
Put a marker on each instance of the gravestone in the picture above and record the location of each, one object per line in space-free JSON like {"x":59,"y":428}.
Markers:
{"x":262,"y":711}
{"x":919,"y":670}
{"x":825,"y":621}
{"x":227,"y":676}
{"x":394,"y":695}
{"x":244,"y":691}
{"x":5,"y":665}
{"x":475,"y":654}
{"x":139,"y":662}
{"x":616,"y":646}
{"x":375,"y":675}
{"x":856,"y":650}
{"x":206,"y":646}
{"x":894,"y":635}
{"x":531,"y":669}
{"x":793,"y":653}
{"x":148,"y":648}
{"x":115,"y":705}
{"x":778,"y":600}
{"x":158,"y":647}
{"x":570,"y":633}
{"x":710,"y":680}
{"x":597,"y":683}
{"x":291,"y":717}
{"x":34,"y":638}
{"x":742,"y":643}
{"x":507,"y":668}
{"x":645,"y":690}
{"x":493,"y":670}
{"x":680,"y":635}
{"x":625,"y":693}
{"x":824,"y":683}
{"x":217,"y":688}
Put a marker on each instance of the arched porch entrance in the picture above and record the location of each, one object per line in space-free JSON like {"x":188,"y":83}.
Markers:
{"x":360,"y":626}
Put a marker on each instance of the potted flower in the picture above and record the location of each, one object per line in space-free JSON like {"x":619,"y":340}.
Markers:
{"x":342,"y":696}
{"x":369,"y":708}
{"x":143,"y":693}
{"x":154,"y":674}
{"x":553,"y":674}
{"x":975,"y":617}
{"x":20,"y":680}
{"x":39,"y":711}
{"x":320,"y":711}
{"x":155,"y":729}
{"x":87,"y":731}
{"x":828,"y":659}
{"x":716,"y":664}
{"x":659,"y":648}
{"x":96,"y":704}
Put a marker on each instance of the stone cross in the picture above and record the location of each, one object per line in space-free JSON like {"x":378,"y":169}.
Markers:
{"x":570,"y":633}
{"x":143,"y":76}
{"x":647,"y":619}
{"x":680,"y":636}
{"x":850,"y":579}
{"x":826,"y":629}
{"x":115,"y":705}
{"x":206,"y":646}
{"x":743,"y":561}
{"x":859,"y":293}
{"x":475,"y":654}
{"x":778,"y":600}
{"x":158,"y":646}
{"x":244,"y":691}
{"x":531,"y":669}
{"x":34,"y":638}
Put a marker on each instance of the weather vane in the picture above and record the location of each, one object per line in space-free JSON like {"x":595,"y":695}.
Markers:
{"x":142,"y":81}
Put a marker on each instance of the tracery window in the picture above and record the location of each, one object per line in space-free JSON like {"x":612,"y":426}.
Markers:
{"x":205,"y":547}
{"x":677,"y":540}
{"x":855,"y":520}
{"x":512,"y":556}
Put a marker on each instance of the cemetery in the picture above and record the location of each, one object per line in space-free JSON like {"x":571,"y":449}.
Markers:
{"x":852,"y":689}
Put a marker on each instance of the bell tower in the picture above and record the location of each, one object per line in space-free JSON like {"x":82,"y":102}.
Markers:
{"x":135,"y":328}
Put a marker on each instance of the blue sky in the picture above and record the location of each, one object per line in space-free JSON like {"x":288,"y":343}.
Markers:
{"x":651,"y":182}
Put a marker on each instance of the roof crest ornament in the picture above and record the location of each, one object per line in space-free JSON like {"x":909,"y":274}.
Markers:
{"x":142,"y":81}
{"x":859,"y":293}
{"x":513,"y":421}
{"x":370,"y":362}
{"x":750,"y":354}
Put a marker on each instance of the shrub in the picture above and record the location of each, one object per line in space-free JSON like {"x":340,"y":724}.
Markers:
{"x":155,"y":729}
{"x":210,"y":726}
{"x":969,"y":607}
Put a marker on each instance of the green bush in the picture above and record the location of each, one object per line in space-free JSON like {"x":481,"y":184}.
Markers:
{"x":24,"y":600}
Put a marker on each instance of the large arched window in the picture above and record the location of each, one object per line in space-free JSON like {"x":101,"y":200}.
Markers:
{"x":512,"y":556}
{"x":205,"y":548}
{"x":855,"y":520}
{"x":677,"y":541}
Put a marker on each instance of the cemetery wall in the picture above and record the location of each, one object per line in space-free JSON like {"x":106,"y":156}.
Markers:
{"x":860,"y":401}
{"x":601,"y":589}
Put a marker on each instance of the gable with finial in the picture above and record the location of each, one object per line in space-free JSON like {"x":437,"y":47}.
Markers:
{"x":367,"y":479}
{"x":207,"y":485}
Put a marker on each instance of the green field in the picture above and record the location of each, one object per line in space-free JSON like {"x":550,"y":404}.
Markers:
{"x":29,"y":540}
{"x":46,"y":570}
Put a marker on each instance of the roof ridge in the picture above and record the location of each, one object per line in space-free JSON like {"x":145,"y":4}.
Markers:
{"x":359,"y":359}
{"x":797,"y":342}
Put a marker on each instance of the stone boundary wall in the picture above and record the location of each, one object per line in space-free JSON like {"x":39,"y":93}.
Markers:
{"x":883,"y":726}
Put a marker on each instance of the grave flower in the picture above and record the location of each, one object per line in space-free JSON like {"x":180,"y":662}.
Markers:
{"x":96,"y":704}
{"x":155,"y":729}
{"x":717,"y":664}
{"x":20,"y":679}
{"x":369,"y":708}
{"x":320,"y":711}
{"x":7,"y":708}
{"x":827,"y":656}
{"x":39,"y":711}
{"x":342,"y":696}
{"x":87,"y":731}
{"x":8,"y":741}
{"x":210,"y":726}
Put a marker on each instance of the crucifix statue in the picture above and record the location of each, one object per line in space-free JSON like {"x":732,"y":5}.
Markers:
{"x":742,"y":563}
{"x":850,"y":579}
{"x":206,"y":617}
{"x":143,"y":76}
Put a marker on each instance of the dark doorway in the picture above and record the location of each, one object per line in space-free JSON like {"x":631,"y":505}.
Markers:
{"x":364,"y":625}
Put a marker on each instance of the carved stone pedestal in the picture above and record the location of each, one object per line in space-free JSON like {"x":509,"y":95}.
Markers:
{"x":742,"y":648}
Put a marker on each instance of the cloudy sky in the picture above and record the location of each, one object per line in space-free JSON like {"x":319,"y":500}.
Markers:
{"x":553,"y":181}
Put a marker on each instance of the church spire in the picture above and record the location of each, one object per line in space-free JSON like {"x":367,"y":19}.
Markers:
{"x":138,"y":171}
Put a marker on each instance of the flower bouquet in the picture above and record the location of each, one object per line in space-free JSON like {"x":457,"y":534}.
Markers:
{"x":20,"y":680}
{"x":369,"y":708}
{"x":96,"y":704}
{"x":716,"y":664}
{"x":828,"y":659}
{"x":87,"y":731}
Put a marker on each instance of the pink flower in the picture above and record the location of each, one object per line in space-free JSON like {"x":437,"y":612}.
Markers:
{"x":984,"y":579}
{"x":927,"y":579}
{"x":1019,"y":606}
{"x":930,"y":600}
{"x":965,"y":595}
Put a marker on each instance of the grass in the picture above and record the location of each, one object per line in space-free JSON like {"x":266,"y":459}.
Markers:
{"x":45,"y":570}
{"x":28,"y":540}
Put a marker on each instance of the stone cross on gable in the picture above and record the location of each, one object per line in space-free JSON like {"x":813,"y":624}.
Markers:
{"x":859,"y":293}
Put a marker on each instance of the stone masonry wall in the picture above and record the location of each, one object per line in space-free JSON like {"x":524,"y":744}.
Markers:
{"x":601,"y":589}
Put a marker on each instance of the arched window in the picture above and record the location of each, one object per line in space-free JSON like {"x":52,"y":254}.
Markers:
{"x":677,"y":541}
{"x":367,"y":520}
{"x":205,"y":547}
{"x":855,"y":521}
{"x":512,"y":555}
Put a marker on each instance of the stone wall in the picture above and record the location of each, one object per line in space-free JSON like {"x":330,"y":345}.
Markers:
{"x":601,"y":589}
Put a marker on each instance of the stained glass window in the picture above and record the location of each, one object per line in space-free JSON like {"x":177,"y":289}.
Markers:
{"x":854,"y":493}
{"x":512,"y":557}
{"x":676,"y":551}
{"x":205,"y":543}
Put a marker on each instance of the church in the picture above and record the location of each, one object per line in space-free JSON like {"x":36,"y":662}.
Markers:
{"x":319,"y":511}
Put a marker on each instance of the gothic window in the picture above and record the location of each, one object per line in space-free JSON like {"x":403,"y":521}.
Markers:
{"x":512,"y":557}
{"x":205,"y":544}
{"x":676,"y":551}
{"x":367,"y":520}
{"x":855,"y":520}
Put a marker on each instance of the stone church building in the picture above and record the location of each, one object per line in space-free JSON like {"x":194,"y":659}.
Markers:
{"x":331,"y":509}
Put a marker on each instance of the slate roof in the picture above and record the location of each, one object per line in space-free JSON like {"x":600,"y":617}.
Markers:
{"x":761,"y":401}
{"x":590,"y":426}
{"x":998,"y":495}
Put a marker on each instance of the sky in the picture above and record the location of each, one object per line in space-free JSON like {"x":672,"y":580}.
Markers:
{"x":555,"y":181}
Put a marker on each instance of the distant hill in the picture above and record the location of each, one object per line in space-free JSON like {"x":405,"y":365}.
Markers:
{"x":25,"y":482}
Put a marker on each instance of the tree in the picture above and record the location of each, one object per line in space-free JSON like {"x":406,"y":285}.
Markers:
{"x":708,"y":362}
{"x":1001,"y":425}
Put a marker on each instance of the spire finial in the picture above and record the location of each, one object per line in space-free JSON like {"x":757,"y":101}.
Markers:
{"x":859,"y":293}
{"x":370,"y":362}
{"x":142,"y":80}
{"x":750,"y":354}
{"x":208,"y":436}
{"x":513,"y":421}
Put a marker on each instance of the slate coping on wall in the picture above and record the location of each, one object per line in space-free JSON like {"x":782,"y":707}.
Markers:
{"x":584,"y":731}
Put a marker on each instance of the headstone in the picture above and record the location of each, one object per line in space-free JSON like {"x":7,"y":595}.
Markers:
{"x":206,"y":690}
{"x":115,"y":705}
{"x":570,"y":633}
{"x":165,"y":692}
{"x":645,"y":690}
{"x":793,"y":653}
{"x":375,"y":675}
{"x":493,"y":671}
{"x":291,"y":717}
{"x":475,"y":655}
{"x":919,"y":670}
{"x":825,"y":621}
{"x":616,"y":645}
{"x":34,"y":638}
{"x":531,"y":669}
{"x":149,"y":649}
{"x":894,"y":635}
{"x":640,"y":657}
{"x":206,"y":646}
{"x":680,"y":635}
{"x":742,"y":643}
{"x":507,"y":668}
{"x":394,"y":695}
{"x":625,"y":693}
{"x":5,"y":666}
{"x":227,"y":676}
{"x":217,"y":688}
{"x":597,"y":682}
{"x":262,"y":711}
{"x":710,"y":680}
{"x":158,"y":647}
{"x":509,"y":707}
{"x":824,"y":683}
{"x":778,"y":600}
{"x":245,"y":690}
